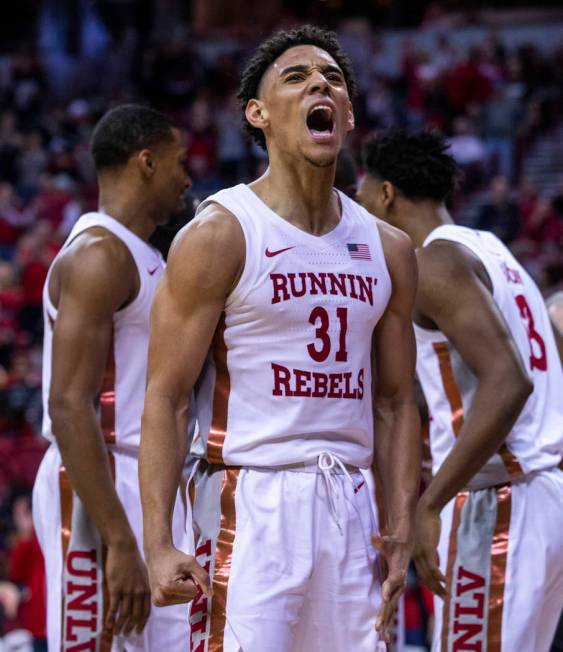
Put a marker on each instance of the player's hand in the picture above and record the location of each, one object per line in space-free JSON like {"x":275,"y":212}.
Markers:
{"x":395,"y":556}
{"x":128,"y":588}
{"x":10,"y":599}
{"x":427,"y":537}
{"x":176,"y":578}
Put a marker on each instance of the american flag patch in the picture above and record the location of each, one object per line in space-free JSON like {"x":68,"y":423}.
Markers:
{"x":359,"y":251}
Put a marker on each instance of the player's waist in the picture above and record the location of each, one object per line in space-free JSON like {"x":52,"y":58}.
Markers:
{"x":313,"y":465}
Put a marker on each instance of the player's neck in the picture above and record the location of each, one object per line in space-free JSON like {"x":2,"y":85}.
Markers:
{"x":302,"y":195}
{"x":424,"y":218}
{"x":128,"y":209}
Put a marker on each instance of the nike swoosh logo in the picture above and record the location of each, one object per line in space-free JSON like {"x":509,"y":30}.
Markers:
{"x":152,"y":271}
{"x":271,"y":254}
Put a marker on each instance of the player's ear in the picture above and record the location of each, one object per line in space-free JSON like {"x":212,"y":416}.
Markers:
{"x":257,"y":114}
{"x":146,"y":162}
{"x":350,"y":122}
{"x":387,"y":193}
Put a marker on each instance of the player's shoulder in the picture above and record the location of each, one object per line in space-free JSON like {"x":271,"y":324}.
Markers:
{"x":448,"y":259}
{"x":96,"y":272}
{"x":209,"y":251}
{"x":96,"y":255}
{"x":214,"y":228}
{"x":393,"y":240}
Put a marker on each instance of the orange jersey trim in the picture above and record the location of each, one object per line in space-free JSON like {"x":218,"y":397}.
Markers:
{"x":216,"y":438}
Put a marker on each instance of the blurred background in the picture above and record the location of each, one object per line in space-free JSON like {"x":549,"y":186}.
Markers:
{"x":489,"y":76}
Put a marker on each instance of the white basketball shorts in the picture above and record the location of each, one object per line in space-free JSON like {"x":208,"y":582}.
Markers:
{"x":291,"y":560}
{"x":74,"y":564}
{"x":501,"y":550}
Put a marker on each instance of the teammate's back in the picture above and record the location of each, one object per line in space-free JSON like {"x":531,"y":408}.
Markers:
{"x":489,"y":521}
{"x":536,"y":438}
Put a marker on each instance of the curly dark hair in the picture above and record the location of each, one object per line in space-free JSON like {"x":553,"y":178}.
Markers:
{"x":417,"y":163}
{"x":274,"y":47}
{"x":126,"y":130}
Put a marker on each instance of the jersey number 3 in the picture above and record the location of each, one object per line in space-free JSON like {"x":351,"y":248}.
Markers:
{"x":538,"y":357}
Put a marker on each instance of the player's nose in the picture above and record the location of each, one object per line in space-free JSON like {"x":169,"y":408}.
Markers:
{"x":318,"y":83}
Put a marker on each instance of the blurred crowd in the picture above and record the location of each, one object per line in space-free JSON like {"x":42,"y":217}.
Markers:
{"x":492,"y":101}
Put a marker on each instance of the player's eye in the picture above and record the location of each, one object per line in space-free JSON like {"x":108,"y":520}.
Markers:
{"x":295,"y":76}
{"x":334,"y":76}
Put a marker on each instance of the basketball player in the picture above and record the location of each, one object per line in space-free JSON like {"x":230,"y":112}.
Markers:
{"x":290,"y":288}
{"x":97,"y":299}
{"x":488,"y":365}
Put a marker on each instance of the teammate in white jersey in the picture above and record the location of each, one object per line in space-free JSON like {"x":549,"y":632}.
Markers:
{"x":489,"y":368}
{"x":97,"y":300}
{"x":279,"y":293}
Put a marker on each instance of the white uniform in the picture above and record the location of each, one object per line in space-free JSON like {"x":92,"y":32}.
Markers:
{"x":70,"y":543}
{"x":281,"y":513}
{"x":502,"y":542}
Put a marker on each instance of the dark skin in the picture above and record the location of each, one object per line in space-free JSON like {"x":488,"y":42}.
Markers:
{"x":92,"y":279}
{"x":555,"y":309}
{"x":453,"y":288}
{"x":204,"y":266}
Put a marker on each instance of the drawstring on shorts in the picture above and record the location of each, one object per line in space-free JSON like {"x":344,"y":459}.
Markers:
{"x":327,"y":463}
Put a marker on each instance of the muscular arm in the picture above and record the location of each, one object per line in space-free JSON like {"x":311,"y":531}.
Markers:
{"x":454,"y":293}
{"x":203,"y":267}
{"x":91,"y":281}
{"x":397,"y":424}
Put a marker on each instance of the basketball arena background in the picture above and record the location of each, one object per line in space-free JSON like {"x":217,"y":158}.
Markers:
{"x":489,"y":75}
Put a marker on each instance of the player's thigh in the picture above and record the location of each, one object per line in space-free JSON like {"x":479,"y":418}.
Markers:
{"x":534,"y":587}
{"x":47,"y":523}
{"x":253,"y":532}
{"x":445,"y":544}
{"x":344,"y":594}
{"x":167,"y":627}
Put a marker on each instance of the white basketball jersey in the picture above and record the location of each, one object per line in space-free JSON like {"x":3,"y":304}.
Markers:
{"x":289,"y":371}
{"x":536,"y":440}
{"x":122,"y":396}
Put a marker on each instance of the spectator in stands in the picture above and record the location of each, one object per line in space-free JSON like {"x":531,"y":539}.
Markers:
{"x":468,"y":150}
{"x":500,"y":213}
{"x":13,"y":220}
{"x":22,"y":398}
{"x":501,"y":117}
{"x":27,"y":572}
{"x":11,"y":301}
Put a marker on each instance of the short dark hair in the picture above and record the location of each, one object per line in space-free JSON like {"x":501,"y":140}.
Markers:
{"x":126,"y":130}
{"x":274,"y":47}
{"x":417,"y":163}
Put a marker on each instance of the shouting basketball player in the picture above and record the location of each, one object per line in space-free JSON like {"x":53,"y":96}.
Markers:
{"x":279,"y":293}
{"x":97,"y":300}
{"x":490,"y":372}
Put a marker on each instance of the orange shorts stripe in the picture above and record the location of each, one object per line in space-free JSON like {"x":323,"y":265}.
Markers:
{"x":499,"y":556}
{"x":223,"y":558}
{"x":65,"y":497}
{"x":452,"y":554}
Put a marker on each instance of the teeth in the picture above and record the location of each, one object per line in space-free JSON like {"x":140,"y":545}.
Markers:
{"x":322,"y":107}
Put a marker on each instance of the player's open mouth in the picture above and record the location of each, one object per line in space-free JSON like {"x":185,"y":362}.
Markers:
{"x":320,"y":122}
